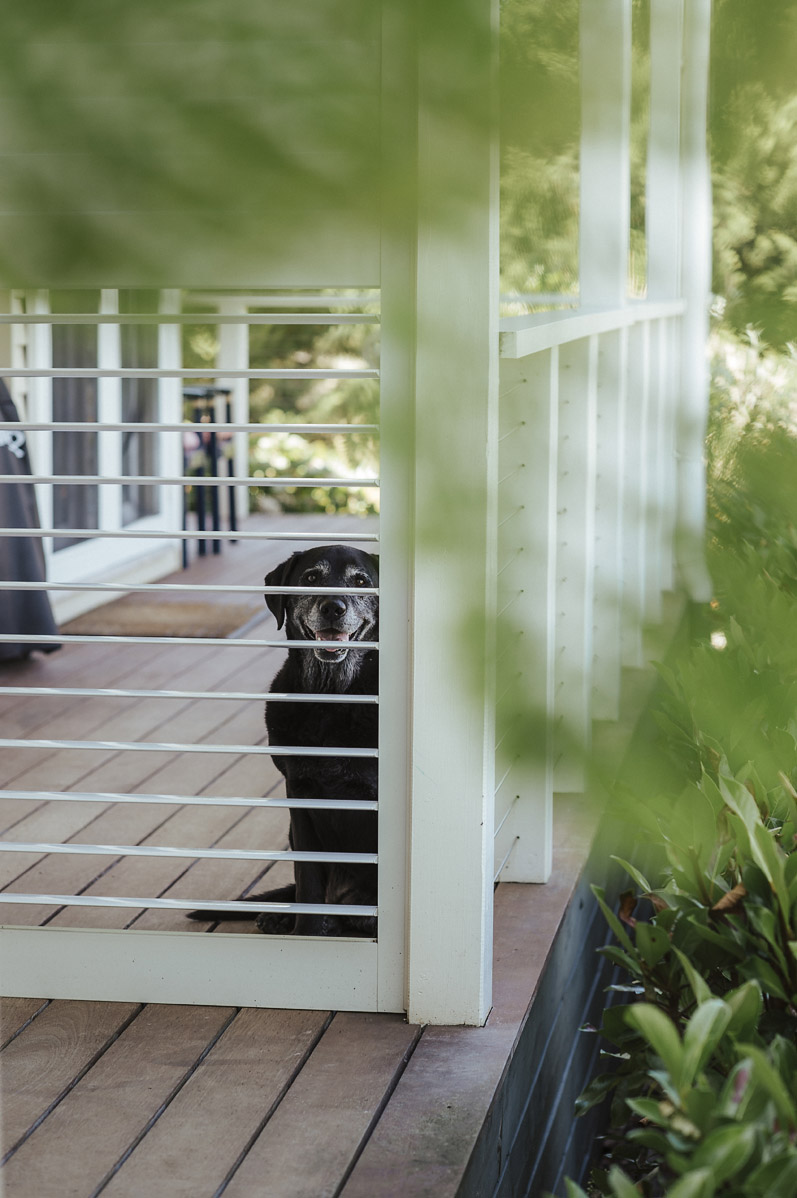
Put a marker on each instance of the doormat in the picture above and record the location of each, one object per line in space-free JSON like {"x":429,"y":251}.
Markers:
{"x":143,"y":615}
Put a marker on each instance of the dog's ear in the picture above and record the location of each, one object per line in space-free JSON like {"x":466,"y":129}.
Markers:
{"x":375,"y":559}
{"x":277,"y":578}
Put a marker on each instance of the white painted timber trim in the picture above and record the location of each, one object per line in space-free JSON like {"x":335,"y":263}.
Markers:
{"x":523,"y":335}
{"x":189,"y":967}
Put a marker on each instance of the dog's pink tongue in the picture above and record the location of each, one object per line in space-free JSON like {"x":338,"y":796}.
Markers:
{"x":331,"y":634}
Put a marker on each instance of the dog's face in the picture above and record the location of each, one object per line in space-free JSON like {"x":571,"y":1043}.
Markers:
{"x":339,"y":618}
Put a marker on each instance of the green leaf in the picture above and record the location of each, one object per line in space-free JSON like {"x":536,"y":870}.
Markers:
{"x":619,"y":957}
{"x":574,"y":1191}
{"x":699,"y":986}
{"x":771,"y":1081}
{"x":633,"y":873}
{"x":595,"y":1092}
{"x":621,"y":1186}
{"x":776,"y":1179}
{"x":726,"y":1151}
{"x":652,"y":943}
{"x":746,"y":1004}
{"x":612,"y":920}
{"x":648,"y":1108}
{"x":660,"y":1033}
{"x":703,"y":1032}
{"x":697,"y":1183}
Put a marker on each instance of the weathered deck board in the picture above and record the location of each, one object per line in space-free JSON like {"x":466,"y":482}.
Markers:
{"x":88,"y":1132}
{"x":306,"y":1147}
{"x":210,"y":1123}
{"x":43,"y":1061}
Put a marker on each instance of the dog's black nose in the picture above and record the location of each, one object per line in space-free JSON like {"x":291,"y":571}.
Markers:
{"x":332,"y":608}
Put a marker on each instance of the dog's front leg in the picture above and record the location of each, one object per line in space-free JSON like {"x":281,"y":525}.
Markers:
{"x":310,"y":876}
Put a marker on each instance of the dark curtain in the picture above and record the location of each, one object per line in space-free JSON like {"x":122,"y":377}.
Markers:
{"x":21,"y":558}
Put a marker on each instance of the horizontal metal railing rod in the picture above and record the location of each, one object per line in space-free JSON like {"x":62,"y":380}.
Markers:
{"x":151,"y":480}
{"x":281,"y":801}
{"x":150,"y":746}
{"x":188,"y":534}
{"x":97,"y":426}
{"x":34,"y":638}
{"x":152,"y":372}
{"x":151,"y":850}
{"x":97,"y":692}
{"x":92,"y":900}
{"x":190,"y":318}
{"x":171,"y":587}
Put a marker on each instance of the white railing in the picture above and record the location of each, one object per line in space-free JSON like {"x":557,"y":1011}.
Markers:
{"x":261,"y":970}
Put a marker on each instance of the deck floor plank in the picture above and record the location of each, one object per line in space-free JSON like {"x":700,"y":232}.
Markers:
{"x":210,"y":1123}
{"x":86,"y":1134}
{"x":15,"y":1013}
{"x":306,"y":1147}
{"x":42,"y":1062}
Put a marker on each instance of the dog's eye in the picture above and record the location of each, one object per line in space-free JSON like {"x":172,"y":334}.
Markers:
{"x":361,"y":580}
{"x":311,"y":578}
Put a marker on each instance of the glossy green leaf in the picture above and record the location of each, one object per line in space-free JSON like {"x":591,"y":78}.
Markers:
{"x":746,"y":1004}
{"x":660,"y":1033}
{"x":768,"y":1077}
{"x":697,"y":1183}
{"x":633,"y":873}
{"x":776,"y":1179}
{"x":726,"y":1151}
{"x":612,"y":920}
{"x":652,"y":943}
{"x":621,"y":1186}
{"x":703,"y":1032}
{"x":698,"y":984}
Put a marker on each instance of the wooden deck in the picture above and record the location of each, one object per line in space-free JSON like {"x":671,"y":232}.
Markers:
{"x":134,"y":1099}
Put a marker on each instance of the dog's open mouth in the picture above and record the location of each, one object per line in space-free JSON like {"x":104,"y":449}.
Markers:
{"x":332,"y":653}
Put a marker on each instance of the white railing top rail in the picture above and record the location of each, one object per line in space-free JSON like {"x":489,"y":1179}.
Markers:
{"x":531,"y":333}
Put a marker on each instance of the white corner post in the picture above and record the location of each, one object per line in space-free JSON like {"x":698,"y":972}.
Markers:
{"x":663,"y":237}
{"x":696,"y":284}
{"x":452,"y":781}
{"x":592,"y":402}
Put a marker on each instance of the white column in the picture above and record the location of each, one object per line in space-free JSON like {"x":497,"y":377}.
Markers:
{"x":451,"y":826}
{"x":605,"y":172}
{"x":575,"y":561}
{"x":109,"y":410}
{"x":663,"y":234}
{"x":610,"y":500}
{"x":170,"y":409}
{"x":234,"y":355}
{"x":696,"y":282}
{"x":526,"y":616}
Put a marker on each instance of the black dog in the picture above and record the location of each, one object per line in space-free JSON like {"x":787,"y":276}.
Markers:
{"x":346,"y":620}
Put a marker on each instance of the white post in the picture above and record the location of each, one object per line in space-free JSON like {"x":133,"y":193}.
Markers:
{"x":40,"y":407}
{"x":604,"y":223}
{"x":234,"y":355}
{"x":610,"y":499}
{"x":170,"y":409}
{"x":663,"y":234}
{"x":451,"y":825}
{"x":109,"y":410}
{"x":396,"y":509}
{"x":527,"y":615}
{"x":575,"y":561}
{"x":696,"y":282}
{"x":636,"y":495}
{"x":605,"y":172}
